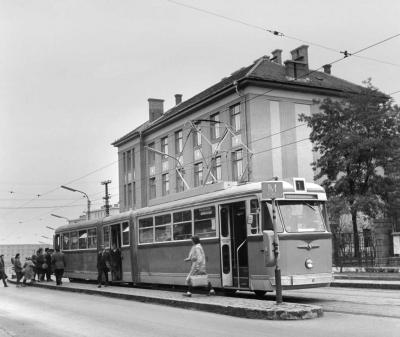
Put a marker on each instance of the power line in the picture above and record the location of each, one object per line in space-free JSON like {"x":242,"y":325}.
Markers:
{"x":272,"y":31}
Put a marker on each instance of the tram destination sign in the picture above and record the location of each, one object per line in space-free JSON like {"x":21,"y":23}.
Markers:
{"x":272,"y":189}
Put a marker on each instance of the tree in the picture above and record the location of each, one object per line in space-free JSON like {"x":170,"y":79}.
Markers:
{"x":358,"y":140}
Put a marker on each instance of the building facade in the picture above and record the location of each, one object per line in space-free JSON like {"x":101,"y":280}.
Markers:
{"x":244,"y":128}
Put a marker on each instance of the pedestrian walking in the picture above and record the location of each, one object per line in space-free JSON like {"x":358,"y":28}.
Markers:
{"x":59,"y":264}
{"x":18,"y":269}
{"x":3,"y":275}
{"x":198,"y":275}
{"x":28,"y":271}
{"x":48,"y":271}
{"x":103,"y":264}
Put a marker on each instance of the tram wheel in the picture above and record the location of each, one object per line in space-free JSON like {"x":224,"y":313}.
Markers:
{"x":260,"y":293}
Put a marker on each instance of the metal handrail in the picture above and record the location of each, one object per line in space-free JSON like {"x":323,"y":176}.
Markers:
{"x":237,"y":261}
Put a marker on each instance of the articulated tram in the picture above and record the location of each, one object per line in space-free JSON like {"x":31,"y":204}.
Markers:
{"x":234,"y":222}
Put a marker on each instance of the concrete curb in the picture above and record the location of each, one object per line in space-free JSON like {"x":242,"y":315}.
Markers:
{"x":269,"y":311}
{"x":369,"y":285}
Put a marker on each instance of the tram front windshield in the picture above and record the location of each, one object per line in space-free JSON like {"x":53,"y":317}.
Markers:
{"x":297,"y":216}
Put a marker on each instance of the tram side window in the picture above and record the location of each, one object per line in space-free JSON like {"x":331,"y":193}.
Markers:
{"x":146,"y":230}
{"x":125,"y":234}
{"x":182,"y":225}
{"x":204,"y":222}
{"x":65,"y":241}
{"x":255,"y":213}
{"x":163,"y":230}
{"x":74,"y":240}
{"x":106,"y":236}
{"x":83,"y":239}
{"x":92,"y":238}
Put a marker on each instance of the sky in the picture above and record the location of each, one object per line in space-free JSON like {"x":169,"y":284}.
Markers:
{"x":76,"y":75}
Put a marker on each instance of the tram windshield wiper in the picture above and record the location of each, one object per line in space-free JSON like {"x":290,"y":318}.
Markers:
{"x":311,"y":206}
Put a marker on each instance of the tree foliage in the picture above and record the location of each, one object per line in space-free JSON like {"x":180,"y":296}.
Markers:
{"x":358,"y":142}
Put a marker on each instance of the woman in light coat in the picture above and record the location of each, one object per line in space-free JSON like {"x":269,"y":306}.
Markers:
{"x":198,"y":267}
{"x":28,"y":269}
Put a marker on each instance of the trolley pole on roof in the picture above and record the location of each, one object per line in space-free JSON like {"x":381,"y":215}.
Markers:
{"x":107,"y":196}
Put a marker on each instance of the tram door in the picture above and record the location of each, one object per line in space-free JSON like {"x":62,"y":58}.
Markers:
{"x":115,"y":253}
{"x":233,"y":238}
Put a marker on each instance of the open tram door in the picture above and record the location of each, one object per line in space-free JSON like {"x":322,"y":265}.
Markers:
{"x":233,"y":243}
{"x":115,"y":253}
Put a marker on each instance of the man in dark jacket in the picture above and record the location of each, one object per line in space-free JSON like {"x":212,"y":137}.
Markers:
{"x":58,"y":261}
{"x":47,"y":257}
{"x":103,"y":263}
{"x":3,"y":276}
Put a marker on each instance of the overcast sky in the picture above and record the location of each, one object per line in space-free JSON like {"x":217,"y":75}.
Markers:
{"x":76,"y":74}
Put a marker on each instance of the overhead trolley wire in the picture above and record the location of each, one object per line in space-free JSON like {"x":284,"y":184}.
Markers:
{"x":273,"y":32}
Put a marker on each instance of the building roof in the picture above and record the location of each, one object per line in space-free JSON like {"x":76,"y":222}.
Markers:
{"x":263,"y":70}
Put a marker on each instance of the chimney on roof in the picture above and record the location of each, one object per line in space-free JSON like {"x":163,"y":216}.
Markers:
{"x":156,"y":108}
{"x":178,"y":99}
{"x":277,"y":56}
{"x":327,"y":68}
{"x":297,"y":67}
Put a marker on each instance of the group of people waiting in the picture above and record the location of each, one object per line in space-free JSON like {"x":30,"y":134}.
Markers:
{"x":41,"y":265}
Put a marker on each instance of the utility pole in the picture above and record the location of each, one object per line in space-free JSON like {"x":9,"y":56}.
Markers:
{"x":106,"y":197}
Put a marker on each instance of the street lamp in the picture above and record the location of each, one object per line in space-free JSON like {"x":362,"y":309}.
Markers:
{"x":45,"y":237}
{"x":59,"y":216}
{"x":53,"y":229}
{"x":85,"y":195}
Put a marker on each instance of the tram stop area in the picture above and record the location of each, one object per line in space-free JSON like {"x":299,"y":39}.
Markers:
{"x":233,"y":305}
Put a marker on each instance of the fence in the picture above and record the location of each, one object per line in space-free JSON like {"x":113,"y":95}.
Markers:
{"x":370,"y":250}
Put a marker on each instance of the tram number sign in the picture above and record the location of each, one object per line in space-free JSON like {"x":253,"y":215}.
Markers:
{"x":272,"y":189}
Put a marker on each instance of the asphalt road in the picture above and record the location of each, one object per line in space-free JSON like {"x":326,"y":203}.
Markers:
{"x":38,"y":312}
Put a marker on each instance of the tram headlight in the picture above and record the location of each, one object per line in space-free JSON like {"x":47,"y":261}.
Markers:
{"x":309,"y":263}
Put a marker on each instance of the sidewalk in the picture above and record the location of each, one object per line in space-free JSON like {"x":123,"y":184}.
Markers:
{"x":373,"y":278}
{"x":232,"y":306}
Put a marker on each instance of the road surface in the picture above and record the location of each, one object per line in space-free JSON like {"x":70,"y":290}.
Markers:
{"x":38,"y":312}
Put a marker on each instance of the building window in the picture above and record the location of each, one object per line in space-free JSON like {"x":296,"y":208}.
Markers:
{"x":164,"y":147}
{"x":198,"y":174}
{"x":129,"y":192}
{"x":152,"y":188}
{"x":216,"y":168}
{"x":235,"y":117}
{"x":237,"y":163}
{"x":151,"y":155}
{"x":165,"y":184}
{"x":215,"y":126}
{"x":178,"y":142}
{"x":197,"y":136}
{"x":180,"y":186}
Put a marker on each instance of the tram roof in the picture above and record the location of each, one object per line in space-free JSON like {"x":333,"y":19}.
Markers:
{"x":221,"y":191}
{"x":231,"y":190}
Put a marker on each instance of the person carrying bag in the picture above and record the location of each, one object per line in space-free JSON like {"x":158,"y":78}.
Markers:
{"x":197,"y":276}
